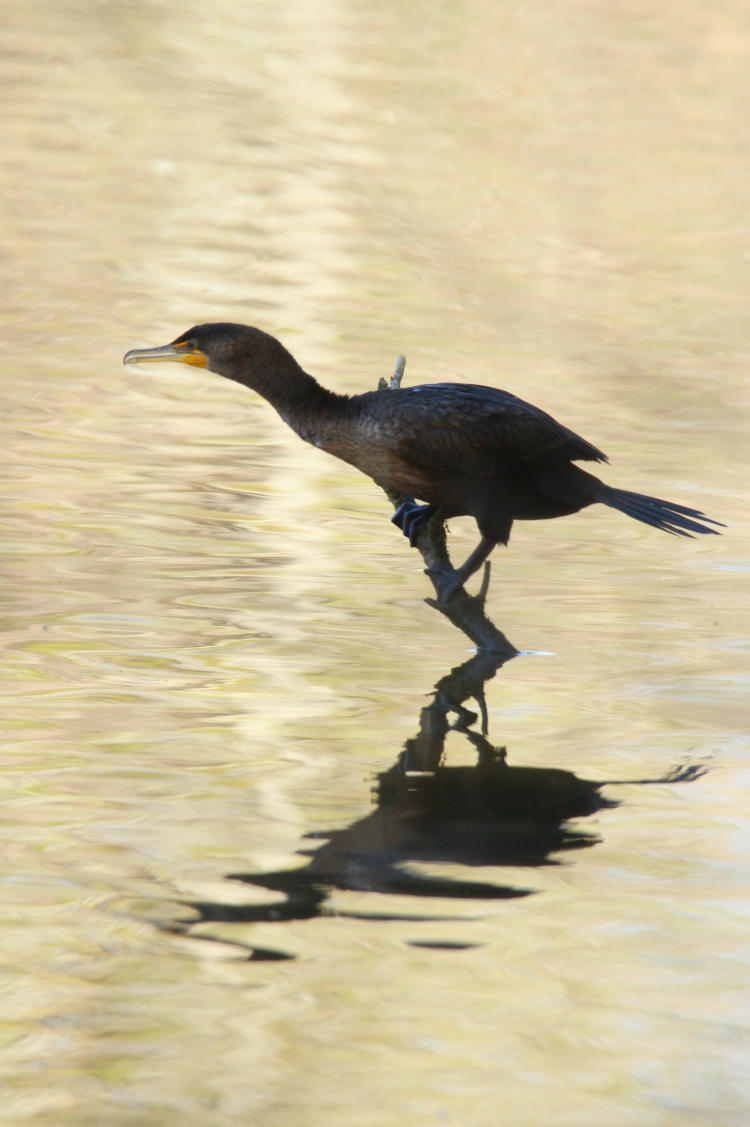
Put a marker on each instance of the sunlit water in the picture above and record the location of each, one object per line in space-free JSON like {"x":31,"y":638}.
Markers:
{"x":218,"y":904}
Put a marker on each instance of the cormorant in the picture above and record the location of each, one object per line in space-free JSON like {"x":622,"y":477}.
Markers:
{"x":461,"y":449}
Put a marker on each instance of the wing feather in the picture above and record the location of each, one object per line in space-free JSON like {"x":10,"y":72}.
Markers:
{"x":443,"y":426}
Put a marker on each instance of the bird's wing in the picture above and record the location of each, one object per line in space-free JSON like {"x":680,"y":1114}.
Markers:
{"x":451,"y":426}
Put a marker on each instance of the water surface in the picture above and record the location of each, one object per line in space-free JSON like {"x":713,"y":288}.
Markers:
{"x":224,"y":901}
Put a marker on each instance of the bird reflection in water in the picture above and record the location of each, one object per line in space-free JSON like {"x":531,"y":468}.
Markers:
{"x":427,"y":812}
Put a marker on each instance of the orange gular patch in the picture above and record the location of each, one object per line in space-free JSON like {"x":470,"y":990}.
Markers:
{"x":194,"y":356}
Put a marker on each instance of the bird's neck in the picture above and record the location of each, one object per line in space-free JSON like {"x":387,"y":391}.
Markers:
{"x":304,"y":405}
{"x":309,"y":409}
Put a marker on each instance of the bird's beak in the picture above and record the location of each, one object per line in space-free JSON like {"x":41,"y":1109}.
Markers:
{"x":182,"y":351}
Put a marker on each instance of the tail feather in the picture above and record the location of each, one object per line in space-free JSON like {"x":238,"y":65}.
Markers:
{"x":676,"y":519}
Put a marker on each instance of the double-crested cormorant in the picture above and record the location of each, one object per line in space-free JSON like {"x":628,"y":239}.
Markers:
{"x":463,"y":449}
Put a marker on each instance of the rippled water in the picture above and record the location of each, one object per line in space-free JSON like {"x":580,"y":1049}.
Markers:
{"x":224,"y":900}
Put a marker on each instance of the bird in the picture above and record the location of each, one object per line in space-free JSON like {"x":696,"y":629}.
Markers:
{"x":444,"y":449}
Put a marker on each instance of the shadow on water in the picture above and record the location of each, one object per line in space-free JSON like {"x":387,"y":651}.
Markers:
{"x":429,"y":813}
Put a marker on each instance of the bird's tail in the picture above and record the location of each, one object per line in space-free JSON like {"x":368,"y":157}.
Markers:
{"x":677,"y":519}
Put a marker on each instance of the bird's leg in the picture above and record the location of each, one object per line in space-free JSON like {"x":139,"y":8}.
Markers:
{"x":411,"y":518}
{"x":447,"y":581}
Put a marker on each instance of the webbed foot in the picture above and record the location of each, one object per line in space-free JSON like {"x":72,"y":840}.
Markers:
{"x":411,"y":518}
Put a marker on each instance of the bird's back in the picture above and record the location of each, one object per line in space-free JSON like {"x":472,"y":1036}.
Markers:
{"x":467,"y":428}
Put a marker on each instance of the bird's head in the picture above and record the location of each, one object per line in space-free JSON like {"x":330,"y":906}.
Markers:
{"x":221,"y":347}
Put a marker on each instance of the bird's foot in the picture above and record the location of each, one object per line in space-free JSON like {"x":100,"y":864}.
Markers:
{"x":411,"y":518}
{"x":447,"y":582}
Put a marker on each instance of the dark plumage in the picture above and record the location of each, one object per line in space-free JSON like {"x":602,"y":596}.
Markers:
{"x":463,"y":449}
